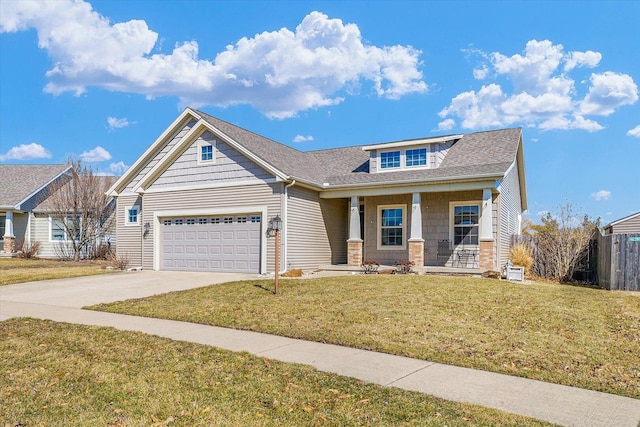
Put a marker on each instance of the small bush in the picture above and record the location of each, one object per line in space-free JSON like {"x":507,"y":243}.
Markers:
{"x":28,"y":250}
{"x":520,"y":256}
{"x":121,"y":261}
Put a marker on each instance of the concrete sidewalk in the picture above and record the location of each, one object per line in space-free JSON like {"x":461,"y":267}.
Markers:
{"x":549,"y":402}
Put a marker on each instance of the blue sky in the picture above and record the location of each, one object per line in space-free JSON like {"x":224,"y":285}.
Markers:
{"x":101,"y":80}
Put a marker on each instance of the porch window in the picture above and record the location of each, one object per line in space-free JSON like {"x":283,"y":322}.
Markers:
{"x":391,"y":220}
{"x":3,"y":230}
{"x":390,"y":160}
{"x":417,"y":157}
{"x":465,"y":224}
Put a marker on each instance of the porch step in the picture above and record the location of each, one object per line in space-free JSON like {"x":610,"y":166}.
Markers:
{"x":420,"y":270}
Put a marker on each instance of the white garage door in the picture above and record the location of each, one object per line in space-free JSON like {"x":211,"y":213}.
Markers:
{"x":226,"y":243}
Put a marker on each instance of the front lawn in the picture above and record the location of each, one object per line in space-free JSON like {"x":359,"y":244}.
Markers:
{"x":18,"y":270}
{"x":65,"y":375}
{"x":569,"y":335}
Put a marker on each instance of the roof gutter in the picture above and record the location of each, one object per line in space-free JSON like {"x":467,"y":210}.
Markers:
{"x":483,"y":177}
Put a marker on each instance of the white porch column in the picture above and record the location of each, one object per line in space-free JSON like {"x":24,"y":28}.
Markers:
{"x":416,"y":218}
{"x":8,"y":225}
{"x":486,"y":227}
{"x":354,"y":219}
{"x":416,"y":242}
{"x":354,"y":244}
{"x":9,"y":240}
{"x":487,"y":254}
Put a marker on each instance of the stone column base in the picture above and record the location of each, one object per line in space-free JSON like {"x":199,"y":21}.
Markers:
{"x":416,"y":252}
{"x":354,"y":252}
{"x":487,"y":257}
{"x":9,"y":246}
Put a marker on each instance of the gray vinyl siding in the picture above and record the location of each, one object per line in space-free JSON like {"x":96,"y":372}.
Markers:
{"x":316,"y":230}
{"x":229,"y":165}
{"x":439,"y":152}
{"x":211,"y":199}
{"x":631,"y":225}
{"x":509,"y":209}
{"x":129,"y":237}
{"x":163,"y":151}
{"x":41,"y":232}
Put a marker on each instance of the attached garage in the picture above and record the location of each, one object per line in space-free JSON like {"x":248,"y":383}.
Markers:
{"x":217,"y":243}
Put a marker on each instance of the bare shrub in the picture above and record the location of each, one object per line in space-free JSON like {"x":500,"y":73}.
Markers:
{"x":121,"y":261}
{"x":28,"y":250}
{"x":520,"y":256}
{"x":296,"y":272}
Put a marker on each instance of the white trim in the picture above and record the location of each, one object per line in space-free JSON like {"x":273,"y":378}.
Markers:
{"x":151,"y":151}
{"x":209,"y":185}
{"x":214,"y":149}
{"x":127,"y":223}
{"x":158,"y":215}
{"x":403,"y":225}
{"x":386,"y":189}
{"x":455,"y":203}
{"x":18,"y":206}
{"x":408,"y":143}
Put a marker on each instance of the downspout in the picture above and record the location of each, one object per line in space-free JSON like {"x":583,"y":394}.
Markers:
{"x":285,"y":222}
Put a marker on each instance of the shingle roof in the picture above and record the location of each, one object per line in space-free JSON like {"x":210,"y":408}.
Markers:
{"x":102,"y":185}
{"x":21,"y":181}
{"x":476,"y":154}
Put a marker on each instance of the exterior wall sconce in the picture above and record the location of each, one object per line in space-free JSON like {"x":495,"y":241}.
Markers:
{"x":146,"y":228}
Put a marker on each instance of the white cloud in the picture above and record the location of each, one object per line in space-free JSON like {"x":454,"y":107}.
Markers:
{"x":98,"y":154}
{"x":118,"y":167}
{"x":26,"y":152}
{"x":609,"y":91}
{"x":301,"y":138}
{"x":446,"y":124}
{"x":601,"y":195}
{"x":114,"y":123}
{"x":279,"y":73}
{"x":535,"y":89}
{"x":634,"y":132}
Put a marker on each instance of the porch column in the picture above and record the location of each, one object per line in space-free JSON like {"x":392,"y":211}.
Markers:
{"x":9,"y":245}
{"x":416,"y":242}
{"x":354,"y":244}
{"x":487,"y":256}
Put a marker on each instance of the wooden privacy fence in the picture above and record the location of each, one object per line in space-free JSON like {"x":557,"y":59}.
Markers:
{"x":619,"y":262}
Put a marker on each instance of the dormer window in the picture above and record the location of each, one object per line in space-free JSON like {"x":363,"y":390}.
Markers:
{"x":416,"y":157}
{"x":390,"y":160}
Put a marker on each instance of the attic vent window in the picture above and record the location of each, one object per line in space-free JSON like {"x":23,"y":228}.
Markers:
{"x":206,"y":152}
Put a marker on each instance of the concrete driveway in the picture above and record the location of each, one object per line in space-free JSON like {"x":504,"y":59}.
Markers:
{"x":78,"y":292}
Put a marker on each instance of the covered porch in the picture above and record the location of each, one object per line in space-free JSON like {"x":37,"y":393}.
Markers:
{"x":438,"y":231}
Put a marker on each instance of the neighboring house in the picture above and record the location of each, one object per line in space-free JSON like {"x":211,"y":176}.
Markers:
{"x":23,"y":188}
{"x":27,"y":214}
{"x":627,"y":225}
{"x":201,"y":196}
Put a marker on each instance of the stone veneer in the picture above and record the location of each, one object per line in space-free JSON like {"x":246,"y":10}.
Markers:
{"x":416,"y":252}
{"x":486,"y":255}
{"x":354,"y":253}
{"x":9,"y":245}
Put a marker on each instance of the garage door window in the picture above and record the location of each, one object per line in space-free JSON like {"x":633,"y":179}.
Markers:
{"x":255,"y":219}
{"x":179,"y":221}
{"x":228,"y":220}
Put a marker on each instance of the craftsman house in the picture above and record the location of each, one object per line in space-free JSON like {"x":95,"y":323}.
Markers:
{"x":202,"y":195}
{"x":28,"y":215}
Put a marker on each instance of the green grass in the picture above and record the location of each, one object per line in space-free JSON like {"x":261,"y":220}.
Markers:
{"x":59,"y":374}
{"x":17,"y":270}
{"x":569,"y":335}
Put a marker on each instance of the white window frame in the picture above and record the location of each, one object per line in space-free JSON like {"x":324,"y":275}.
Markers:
{"x":403,"y":225}
{"x":426,"y":157}
{"x":128,"y":223}
{"x":452,"y":206}
{"x":203,"y":143}
{"x":64,"y":231}
{"x":395,"y":168}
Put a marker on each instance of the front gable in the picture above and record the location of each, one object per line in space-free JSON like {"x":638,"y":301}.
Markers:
{"x":222,"y":164}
